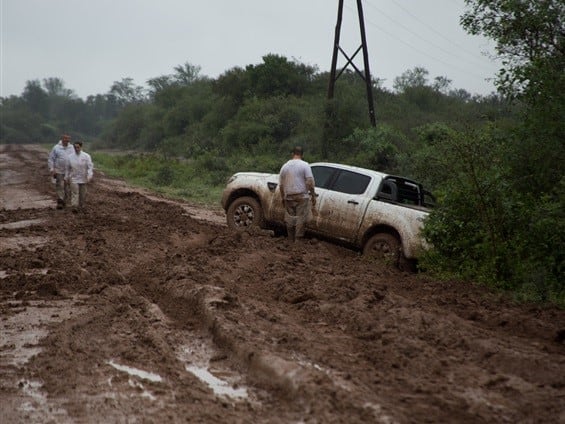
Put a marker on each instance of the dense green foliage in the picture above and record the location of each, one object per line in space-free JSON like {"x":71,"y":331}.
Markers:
{"x":502,"y":219}
{"x":495,"y":162}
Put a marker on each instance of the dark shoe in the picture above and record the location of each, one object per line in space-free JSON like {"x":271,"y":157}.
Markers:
{"x":60,"y":204}
{"x":75,"y":210}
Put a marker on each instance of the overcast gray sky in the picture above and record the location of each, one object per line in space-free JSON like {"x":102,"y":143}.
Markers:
{"x":89,"y":44}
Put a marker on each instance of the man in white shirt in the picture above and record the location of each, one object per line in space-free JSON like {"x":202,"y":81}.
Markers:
{"x":296,"y":184}
{"x":79,"y":172}
{"x":57,"y":163}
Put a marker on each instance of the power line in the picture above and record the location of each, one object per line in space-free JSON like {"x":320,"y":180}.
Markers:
{"x":455,"y":55}
{"x":426,"y":54}
{"x":449,"y":40}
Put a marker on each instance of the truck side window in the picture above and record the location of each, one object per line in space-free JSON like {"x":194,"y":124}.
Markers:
{"x":322,"y":175}
{"x":350,"y":182}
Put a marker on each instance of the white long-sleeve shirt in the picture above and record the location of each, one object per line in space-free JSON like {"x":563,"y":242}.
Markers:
{"x":79,"y":168}
{"x":57,"y":161}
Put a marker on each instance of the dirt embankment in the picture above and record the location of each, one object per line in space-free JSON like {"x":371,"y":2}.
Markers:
{"x":146,"y":310}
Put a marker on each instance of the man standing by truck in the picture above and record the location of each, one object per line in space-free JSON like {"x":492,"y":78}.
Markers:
{"x":296,"y":184}
{"x":57,"y":163}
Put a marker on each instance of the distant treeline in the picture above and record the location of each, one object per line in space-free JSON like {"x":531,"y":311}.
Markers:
{"x":264,"y":108}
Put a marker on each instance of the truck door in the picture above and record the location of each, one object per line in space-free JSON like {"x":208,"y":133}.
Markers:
{"x":342,"y":205}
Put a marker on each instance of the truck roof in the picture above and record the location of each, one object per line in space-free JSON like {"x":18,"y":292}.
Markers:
{"x":350,"y":168}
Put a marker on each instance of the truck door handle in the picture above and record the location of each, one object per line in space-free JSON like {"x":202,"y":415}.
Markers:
{"x":353,"y":202}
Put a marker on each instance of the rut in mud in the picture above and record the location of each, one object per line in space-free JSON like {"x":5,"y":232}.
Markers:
{"x":144,"y":309}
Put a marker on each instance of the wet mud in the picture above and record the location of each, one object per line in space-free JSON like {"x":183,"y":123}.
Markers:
{"x":145,"y":309}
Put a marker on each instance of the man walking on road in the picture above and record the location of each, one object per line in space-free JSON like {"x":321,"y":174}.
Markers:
{"x":296,"y":184}
{"x":57,"y":163}
{"x":79,"y":172}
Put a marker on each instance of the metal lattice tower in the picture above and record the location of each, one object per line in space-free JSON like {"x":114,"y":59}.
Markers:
{"x":366,"y":74}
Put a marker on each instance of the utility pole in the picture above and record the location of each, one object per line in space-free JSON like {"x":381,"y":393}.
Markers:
{"x":366,"y":75}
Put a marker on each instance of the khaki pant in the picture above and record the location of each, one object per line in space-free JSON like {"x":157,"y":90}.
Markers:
{"x":62,"y":188}
{"x":78,"y":195}
{"x":296,"y":216}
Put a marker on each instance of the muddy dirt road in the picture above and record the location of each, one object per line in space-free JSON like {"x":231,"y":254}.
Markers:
{"x":146,"y":310}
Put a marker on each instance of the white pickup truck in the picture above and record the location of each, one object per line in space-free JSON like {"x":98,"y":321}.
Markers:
{"x":378,"y":213}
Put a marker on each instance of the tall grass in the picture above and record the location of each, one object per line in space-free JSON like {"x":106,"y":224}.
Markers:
{"x":200,"y":180}
{"x":173,"y":178}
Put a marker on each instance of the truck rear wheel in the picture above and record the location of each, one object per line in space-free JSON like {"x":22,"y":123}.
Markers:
{"x":243,"y":213}
{"x":383,"y":247}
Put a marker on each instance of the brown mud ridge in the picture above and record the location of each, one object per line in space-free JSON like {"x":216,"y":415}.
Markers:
{"x":142,"y":309}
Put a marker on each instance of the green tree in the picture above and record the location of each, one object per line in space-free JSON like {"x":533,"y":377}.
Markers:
{"x":472,"y":227}
{"x":36,"y":98}
{"x":126,"y":92}
{"x":126,"y":130}
{"x":413,"y":78}
{"x":233,"y":84}
{"x":345,"y":112}
{"x":277,"y":76}
{"x":18,"y":124}
{"x":264,"y":125}
{"x":159,"y":84}
{"x":500,"y":219}
{"x":529,"y":38}
{"x":55,"y":87}
{"x":441,"y":84}
{"x":375,"y":147}
{"x":413,"y":86}
{"x":187,"y":74}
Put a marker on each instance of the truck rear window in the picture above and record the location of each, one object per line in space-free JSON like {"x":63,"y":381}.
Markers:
{"x":406,"y":192}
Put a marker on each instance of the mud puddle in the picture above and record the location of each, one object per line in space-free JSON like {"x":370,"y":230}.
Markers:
{"x":21,"y":224}
{"x":21,"y":332}
{"x":199,"y":359}
{"x":12,"y":198}
{"x":18,"y":241}
{"x":42,"y":271}
{"x":23,"y":329}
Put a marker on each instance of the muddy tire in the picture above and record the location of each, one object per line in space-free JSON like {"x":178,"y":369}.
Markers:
{"x":384,"y":248}
{"x":244,"y":213}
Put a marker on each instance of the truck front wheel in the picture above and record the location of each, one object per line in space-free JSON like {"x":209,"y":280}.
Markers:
{"x":243,"y":213}
{"x":383,"y":247}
